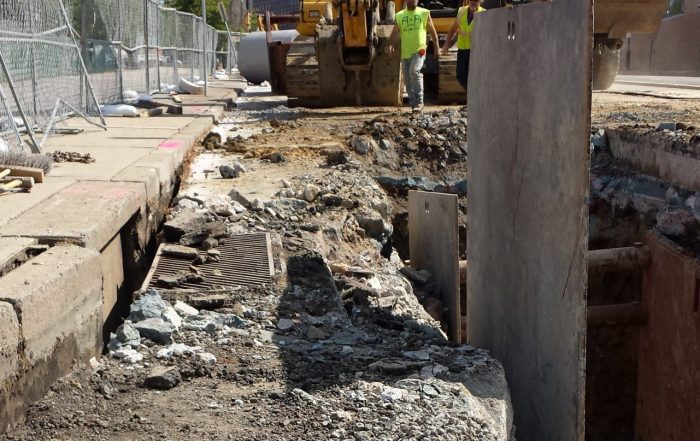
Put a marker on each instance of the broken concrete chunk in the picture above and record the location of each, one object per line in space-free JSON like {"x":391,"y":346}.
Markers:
{"x":310,"y":192}
{"x":186,"y":220}
{"x":184,"y":309}
{"x":230,"y":172}
{"x":163,"y":378}
{"x":157,"y":330}
{"x":285,"y":324}
{"x":417,"y":355}
{"x":179,"y":251}
{"x":274,"y":157}
{"x":127,"y":333}
{"x":177,"y":279}
{"x":363,"y":144}
{"x":237,"y":196}
{"x":149,"y":305}
{"x":206,"y":358}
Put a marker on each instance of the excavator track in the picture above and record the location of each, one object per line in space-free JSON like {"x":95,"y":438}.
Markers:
{"x":449,"y":90}
{"x":303,"y":79}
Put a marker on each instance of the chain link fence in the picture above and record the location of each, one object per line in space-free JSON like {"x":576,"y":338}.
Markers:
{"x":43,"y":76}
{"x":142,"y":46}
{"x":63,"y":57}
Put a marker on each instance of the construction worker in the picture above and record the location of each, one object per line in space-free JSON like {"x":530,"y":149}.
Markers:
{"x":463,"y":26}
{"x":412,"y":25}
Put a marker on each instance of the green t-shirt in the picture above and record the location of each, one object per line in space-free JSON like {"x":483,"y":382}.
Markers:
{"x":413,"y":26}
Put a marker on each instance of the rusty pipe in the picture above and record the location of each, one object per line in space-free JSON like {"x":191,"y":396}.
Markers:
{"x":622,"y":314}
{"x":618,"y":259}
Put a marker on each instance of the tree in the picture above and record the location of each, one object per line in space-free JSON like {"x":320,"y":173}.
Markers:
{"x":195,"y":7}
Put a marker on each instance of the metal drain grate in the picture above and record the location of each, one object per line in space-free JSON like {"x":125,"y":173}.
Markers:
{"x":246,"y":260}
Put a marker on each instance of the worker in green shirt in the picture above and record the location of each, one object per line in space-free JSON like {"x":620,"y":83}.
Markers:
{"x":412,"y":25}
{"x":463,"y":26}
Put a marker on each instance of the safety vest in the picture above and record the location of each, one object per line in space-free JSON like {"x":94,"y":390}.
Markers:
{"x":413,"y":26}
{"x":465,"y":41}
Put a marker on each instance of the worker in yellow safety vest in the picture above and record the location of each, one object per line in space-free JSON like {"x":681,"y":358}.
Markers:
{"x":463,"y":26}
{"x":412,"y":24}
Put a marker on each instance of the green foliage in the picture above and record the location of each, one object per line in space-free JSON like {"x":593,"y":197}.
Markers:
{"x":195,"y":7}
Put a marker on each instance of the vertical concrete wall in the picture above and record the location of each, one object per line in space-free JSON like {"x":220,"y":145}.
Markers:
{"x":529,"y":122}
{"x":673,"y":50}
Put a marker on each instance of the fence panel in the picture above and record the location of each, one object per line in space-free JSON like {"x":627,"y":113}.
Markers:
{"x":63,"y":57}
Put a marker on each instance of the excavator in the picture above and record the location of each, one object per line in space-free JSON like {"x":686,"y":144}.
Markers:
{"x":344,"y":59}
{"x":340,"y":57}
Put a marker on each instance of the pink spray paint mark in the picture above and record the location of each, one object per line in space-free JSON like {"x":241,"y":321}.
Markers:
{"x":172,"y":144}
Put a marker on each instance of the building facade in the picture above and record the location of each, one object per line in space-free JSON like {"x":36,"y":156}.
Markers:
{"x":673,"y":50}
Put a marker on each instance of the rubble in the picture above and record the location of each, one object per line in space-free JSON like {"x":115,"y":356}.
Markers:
{"x":338,"y":347}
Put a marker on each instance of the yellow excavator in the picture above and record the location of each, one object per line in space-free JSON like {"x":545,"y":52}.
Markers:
{"x":342,"y":59}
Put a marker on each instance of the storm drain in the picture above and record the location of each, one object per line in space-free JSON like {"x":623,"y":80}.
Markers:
{"x":245,"y":260}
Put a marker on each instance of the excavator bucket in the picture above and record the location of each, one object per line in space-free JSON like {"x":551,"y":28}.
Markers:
{"x":322,"y":79}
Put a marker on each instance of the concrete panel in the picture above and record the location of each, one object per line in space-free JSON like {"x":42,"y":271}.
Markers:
{"x":9,"y":343}
{"x":86,"y":213}
{"x":529,"y":108}
{"x":112,"y":263}
{"x":668,"y":382}
{"x":58,"y":296}
{"x":434,"y":246}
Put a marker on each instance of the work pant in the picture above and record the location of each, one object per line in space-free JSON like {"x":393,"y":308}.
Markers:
{"x":413,"y":78}
{"x":463,"y":67}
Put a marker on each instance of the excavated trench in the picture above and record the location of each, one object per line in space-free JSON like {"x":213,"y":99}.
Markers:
{"x":630,"y":196}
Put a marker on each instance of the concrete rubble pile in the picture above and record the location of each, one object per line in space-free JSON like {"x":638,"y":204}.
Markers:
{"x":339,"y":346}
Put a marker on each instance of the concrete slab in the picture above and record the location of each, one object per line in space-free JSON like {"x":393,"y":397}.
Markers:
{"x":86,"y":213}
{"x":13,"y":205}
{"x":57,"y":299}
{"x":9,"y":344}
{"x":165,"y":163}
{"x":114,"y":137}
{"x":148,"y":176}
{"x":528,"y":214}
{"x":108,"y":162}
{"x":159,"y":122}
{"x":57,"y":296}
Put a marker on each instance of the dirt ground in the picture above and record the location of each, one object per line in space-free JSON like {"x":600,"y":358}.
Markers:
{"x":274,"y":382}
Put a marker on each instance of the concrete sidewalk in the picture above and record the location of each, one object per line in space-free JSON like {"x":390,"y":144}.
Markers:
{"x":94,"y":218}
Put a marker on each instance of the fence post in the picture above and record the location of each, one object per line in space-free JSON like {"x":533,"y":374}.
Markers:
{"x":158,"y":46}
{"x":145,"y":30}
{"x":204,"y":45}
{"x":32,"y":57}
{"x":194,"y":43}
{"x":120,"y":63}
{"x":177,"y":52}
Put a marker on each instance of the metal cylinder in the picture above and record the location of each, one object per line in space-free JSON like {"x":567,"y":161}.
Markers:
{"x":253,"y":58}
